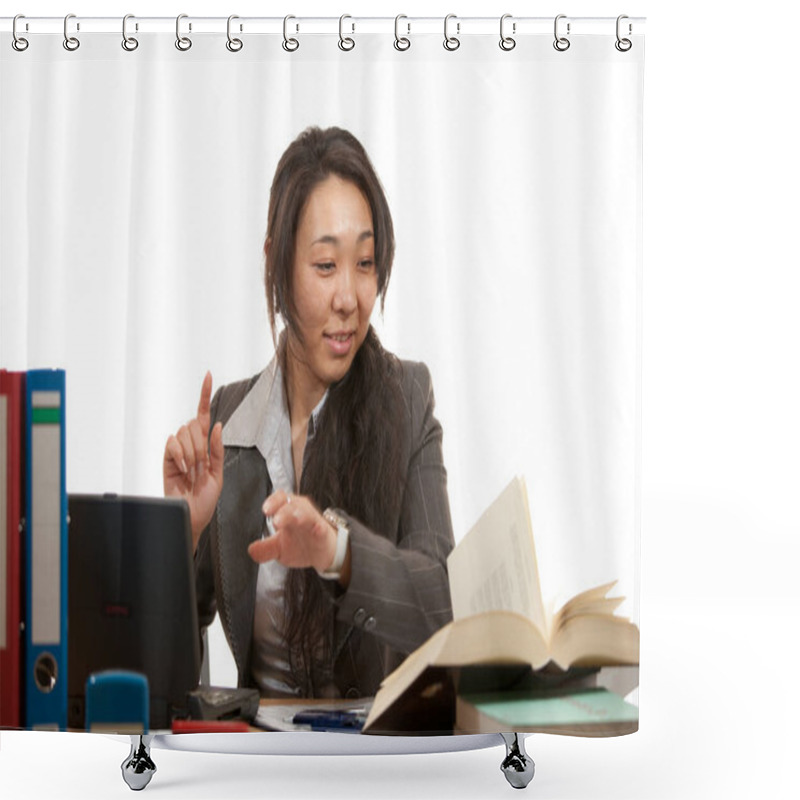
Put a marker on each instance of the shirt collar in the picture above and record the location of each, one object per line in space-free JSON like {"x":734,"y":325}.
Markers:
{"x":263,"y":414}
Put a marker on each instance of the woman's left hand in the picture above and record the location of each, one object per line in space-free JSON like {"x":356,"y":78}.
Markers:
{"x":303,"y":537}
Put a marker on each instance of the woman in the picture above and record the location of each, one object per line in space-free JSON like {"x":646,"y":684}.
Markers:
{"x":317,"y":490}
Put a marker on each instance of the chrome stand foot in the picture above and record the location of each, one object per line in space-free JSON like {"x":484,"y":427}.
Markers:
{"x":517,"y":766}
{"x":138,"y":768}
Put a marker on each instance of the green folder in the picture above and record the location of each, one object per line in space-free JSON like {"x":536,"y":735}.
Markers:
{"x":589,"y":712}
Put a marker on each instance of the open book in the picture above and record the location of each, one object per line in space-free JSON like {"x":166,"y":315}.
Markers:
{"x":499,"y":617}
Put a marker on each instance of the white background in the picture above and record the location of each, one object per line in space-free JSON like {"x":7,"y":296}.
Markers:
{"x":720,"y":604}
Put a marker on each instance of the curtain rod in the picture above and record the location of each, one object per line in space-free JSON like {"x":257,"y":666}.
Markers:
{"x":519,"y":26}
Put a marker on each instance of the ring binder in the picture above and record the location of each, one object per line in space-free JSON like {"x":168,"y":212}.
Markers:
{"x":12,"y":528}
{"x":46,"y":553}
{"x":346,"y":43}
{"x":233,"y":45}
{"x":561,"y":43}
{"x":129,"y":43}
{"x":71,"y":43}
{"x":183,"y":43}
{"x":506,"y":42}
{"x":451,"y":43}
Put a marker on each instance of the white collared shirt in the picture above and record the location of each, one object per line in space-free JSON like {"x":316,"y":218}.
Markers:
{"x":262,"y":421}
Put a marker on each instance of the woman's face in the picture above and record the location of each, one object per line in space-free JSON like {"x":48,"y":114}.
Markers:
{"x":335,"y":280}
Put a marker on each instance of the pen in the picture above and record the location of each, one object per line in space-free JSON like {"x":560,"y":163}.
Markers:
{"x":345,"y":721}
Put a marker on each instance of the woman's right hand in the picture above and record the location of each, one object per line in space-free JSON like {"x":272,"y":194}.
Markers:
{"x":192,"y":468}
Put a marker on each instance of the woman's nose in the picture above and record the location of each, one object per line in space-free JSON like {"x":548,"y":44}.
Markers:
{"x":344,"y":298}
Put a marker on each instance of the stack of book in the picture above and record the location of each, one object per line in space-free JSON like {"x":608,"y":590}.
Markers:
{"x":504,"y":664}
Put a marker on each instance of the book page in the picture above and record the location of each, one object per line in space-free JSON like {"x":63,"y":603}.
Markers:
{"x":500,"y":637}
{"x":593,"y":601}
{"x":494,"y":566}
{"x":596,"y":641}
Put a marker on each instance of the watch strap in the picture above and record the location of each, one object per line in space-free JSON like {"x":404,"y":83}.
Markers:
{"x":334,"y":571}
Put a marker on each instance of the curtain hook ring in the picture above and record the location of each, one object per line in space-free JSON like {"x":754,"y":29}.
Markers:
{"x":345,"y":43}
{"x":451,"y":42}
{"x":129,"y":43}
{"x":234,"y":45}
{"x":506,"y":42}
{"x":401,"y":42}
{"x":19,"y":43}
{"x":623,"y":45}
{"x":183,"y":43}
{"x":561,"y":43}
{"x":289,"y":44}
{"x":71,"y":43}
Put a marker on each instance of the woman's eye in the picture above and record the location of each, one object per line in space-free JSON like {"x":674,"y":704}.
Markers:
{"x":325,"y":266}
{"x":366,"y":263}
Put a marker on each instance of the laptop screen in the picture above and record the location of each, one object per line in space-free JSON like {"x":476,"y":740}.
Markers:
{"x":132,"y":599}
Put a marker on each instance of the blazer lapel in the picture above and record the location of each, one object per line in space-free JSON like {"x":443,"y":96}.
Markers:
{"x":239,"y":522}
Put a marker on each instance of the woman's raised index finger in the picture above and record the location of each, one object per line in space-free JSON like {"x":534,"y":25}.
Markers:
{"x":204,"y":406}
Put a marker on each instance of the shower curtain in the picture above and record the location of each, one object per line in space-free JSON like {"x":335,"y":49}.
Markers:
{"x":134,"y":190}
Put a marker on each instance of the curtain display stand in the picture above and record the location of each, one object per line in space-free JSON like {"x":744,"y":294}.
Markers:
{"x":517,"y":766}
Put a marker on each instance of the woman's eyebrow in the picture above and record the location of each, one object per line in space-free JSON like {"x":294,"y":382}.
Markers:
{"x":331,"y":239}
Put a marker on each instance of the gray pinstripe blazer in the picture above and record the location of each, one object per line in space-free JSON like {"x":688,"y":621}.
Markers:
{"x":398,"y":593}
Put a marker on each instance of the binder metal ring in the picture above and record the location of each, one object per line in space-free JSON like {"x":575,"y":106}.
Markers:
{"x":623,"y":45}
{"x":19,"y":43}
{"x":289,"y":44}
{"x":345,"y":42}
{"x":561,"y":43}
{"x":506,"y":42}
{"x":451,"y":42}
{"x":401,"y":42}
{"x":70,"y":42}
{"x":183,"y":43}
{"x":129,"y":43}
{"x":233,"y":45}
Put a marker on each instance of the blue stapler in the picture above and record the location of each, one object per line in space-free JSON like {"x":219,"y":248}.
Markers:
{"x":117,"y":701}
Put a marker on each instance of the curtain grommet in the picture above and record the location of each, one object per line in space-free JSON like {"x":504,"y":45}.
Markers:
{"x":289,"y":44}
{"x":401,"y":43}
{"x":507,"y":43}
{"x":233,"y":44}
{"x":19,"y":43}
{"x":561,"y":43}
{"x":451,"y":43}
{"x":129,"y":43}
{"x":183,"y":43}
{"x":346,"y":43}
{"x":70,"y":43}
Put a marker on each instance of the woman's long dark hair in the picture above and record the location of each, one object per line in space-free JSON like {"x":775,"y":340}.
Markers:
{"x":354,"y":461}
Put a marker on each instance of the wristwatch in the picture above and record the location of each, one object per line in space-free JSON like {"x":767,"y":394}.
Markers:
{"x":334,"y":571}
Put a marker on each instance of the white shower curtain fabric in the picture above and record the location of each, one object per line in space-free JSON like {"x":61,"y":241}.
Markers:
{"x":134,"y":194}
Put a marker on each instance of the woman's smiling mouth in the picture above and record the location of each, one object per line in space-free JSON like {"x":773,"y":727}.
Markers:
{"x":340,"y":343}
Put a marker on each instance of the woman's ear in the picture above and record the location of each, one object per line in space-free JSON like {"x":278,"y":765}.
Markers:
{"x":267,"y":245}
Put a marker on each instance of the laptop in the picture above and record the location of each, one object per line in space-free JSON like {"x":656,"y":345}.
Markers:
{"x":132,"y":599}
